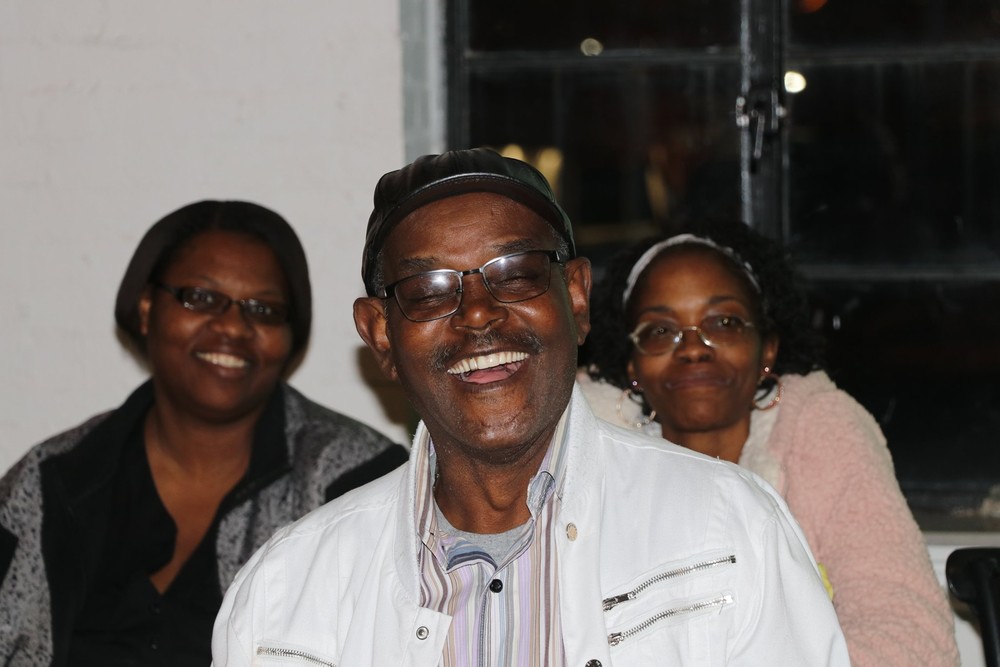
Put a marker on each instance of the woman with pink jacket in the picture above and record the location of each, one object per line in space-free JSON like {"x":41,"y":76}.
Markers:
{"x":704,"y":338}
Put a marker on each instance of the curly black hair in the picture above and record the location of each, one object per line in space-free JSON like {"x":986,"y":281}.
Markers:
{"x":783,"y":304}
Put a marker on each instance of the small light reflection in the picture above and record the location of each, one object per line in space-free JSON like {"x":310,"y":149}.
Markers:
{"x":514,"y":151}
{"x":810,"y":6}
{"x":549,"y":161}
{"x":794,"y":82}
{"x":591,"y":47}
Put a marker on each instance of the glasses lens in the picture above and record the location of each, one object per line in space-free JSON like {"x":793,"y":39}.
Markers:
{"x":261,"y":312}
{"x":724,"y":329}
{"x":203,"y":300}
{"x":428,"y":296}
{"x":518,"y":277}
{"x":655,"y":337}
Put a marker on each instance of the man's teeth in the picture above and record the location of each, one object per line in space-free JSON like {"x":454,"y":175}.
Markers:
{"x":486,"y":361}
{"x":224,"y":360}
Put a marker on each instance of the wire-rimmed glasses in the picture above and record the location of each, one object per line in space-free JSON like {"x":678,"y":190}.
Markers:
{"x":662,"y":336}
{"x":432,"y":295}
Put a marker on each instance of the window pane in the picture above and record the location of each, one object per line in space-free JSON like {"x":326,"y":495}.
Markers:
{"x":844,"y":23}
{"x":563,"y":25}
{"x":633,"y":146}
{"x":897,"y":163}
{"x":923,"y":357}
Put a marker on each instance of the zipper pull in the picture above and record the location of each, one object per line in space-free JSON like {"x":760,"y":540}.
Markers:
{"x":615,"y":638}
{"x":614,"y":601}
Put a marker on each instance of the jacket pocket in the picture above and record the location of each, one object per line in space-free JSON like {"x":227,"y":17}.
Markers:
{"x":677,"y":613}
{"x":670,"y":598}
{"x":285,"y":655}
{"x":668,"y":575}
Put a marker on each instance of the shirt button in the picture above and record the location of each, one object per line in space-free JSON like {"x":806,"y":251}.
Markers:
{"x":593,"y":663}
{"x":154,"y":646}
{"x":496,"y":585}
{"x":423,"y":632}
{"x":571,"y":534}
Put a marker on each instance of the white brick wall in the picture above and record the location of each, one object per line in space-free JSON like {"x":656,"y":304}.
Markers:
{"x":115,"y":112}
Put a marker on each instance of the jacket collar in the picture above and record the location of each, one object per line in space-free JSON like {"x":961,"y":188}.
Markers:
{"x":92,"y":464}
{"x":581,"y":473}
{"x":88,"y":467}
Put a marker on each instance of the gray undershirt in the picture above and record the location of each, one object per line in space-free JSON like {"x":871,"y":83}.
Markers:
{"x":497,"y":545}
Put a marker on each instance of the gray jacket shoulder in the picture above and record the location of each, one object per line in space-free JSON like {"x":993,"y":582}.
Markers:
{"x":312,"y":429}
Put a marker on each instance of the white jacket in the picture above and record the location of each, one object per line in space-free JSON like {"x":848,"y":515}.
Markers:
{"x":341,"y":586}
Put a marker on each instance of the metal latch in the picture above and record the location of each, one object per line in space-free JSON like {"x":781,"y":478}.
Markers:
{"x":760,"y":112}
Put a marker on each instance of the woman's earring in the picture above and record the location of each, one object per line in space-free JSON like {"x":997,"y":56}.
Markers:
{"x":628,"y":393}
{"x":768,"y":374}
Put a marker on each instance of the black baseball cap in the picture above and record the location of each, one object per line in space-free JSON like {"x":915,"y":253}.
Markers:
{"x":433,"y":177}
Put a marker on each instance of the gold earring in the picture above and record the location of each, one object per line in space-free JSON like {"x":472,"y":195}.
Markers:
{"x":768,"y":374}
{"x":628,"y":393}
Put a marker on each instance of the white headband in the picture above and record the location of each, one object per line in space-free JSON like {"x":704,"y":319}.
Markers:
{"x":651,"y":254}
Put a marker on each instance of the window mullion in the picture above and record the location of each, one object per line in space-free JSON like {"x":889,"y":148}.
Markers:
{"x":759,"y":112}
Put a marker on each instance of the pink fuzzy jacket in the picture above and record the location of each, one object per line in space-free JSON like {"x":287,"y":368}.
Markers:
{"x":827,"y":457}
{"x":834,"y":470}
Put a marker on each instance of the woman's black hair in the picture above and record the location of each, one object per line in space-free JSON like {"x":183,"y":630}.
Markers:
{"x":159,"y":246}
{"x":783,"y":303}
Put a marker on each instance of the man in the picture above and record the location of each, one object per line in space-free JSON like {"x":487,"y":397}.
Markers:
{"x":523,"y":531}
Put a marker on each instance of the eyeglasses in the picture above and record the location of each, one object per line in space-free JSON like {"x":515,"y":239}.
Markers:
{"x":511,"y":278}
{"x":201,"y":300}
{"x":660,"y":337}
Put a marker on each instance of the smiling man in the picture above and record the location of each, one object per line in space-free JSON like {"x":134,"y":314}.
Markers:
{"x":523,"y":531}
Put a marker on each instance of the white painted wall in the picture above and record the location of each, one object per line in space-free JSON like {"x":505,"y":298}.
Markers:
{"x":115,"y":112}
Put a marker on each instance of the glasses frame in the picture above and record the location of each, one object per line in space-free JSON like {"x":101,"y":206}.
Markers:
{"x":225,"y":301}
{"x":679,"y":336}
{"x":389,"y":291}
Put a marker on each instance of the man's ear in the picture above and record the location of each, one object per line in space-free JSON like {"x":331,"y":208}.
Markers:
{"x":372,"y":326}
{"x":578,"y":285}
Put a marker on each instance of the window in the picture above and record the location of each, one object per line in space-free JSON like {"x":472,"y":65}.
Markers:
{"x":864,"y":135}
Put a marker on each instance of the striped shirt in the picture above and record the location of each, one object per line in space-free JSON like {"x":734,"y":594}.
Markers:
{"x":503,"y":613}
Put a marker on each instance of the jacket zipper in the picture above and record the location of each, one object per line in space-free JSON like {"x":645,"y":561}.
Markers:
{"x":293,"y":653}
{"x":613,"y":601}
{"x":616,"y":638}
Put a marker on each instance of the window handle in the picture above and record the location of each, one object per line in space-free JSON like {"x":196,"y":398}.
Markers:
{"x":759,"y":112}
